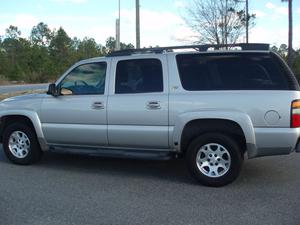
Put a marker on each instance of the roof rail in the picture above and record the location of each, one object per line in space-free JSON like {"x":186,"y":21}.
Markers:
{"x":200,"y":48}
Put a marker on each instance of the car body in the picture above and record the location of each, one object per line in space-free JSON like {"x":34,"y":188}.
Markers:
{"x":153,"y":104}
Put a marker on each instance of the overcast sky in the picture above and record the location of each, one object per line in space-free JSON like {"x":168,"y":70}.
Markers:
{"x":161,"y":21}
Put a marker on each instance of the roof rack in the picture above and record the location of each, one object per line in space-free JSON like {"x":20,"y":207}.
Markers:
{"x":200,"y":48}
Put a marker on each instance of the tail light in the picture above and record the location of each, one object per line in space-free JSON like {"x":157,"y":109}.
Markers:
{"x":295,"y":114}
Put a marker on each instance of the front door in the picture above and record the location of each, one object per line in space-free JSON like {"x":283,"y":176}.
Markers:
{"x":78,"y":115}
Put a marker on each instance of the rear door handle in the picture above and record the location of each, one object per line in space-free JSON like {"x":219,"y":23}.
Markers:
{"x":152,"y":105}
{"x":98,"y":105}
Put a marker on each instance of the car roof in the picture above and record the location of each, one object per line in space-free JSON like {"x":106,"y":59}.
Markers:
{"x":198,"y":48}
{"x":241,"y":48}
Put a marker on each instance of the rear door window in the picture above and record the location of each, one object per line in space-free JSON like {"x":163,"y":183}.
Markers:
{"x":230,"y":71}
{"x":139,"y":76}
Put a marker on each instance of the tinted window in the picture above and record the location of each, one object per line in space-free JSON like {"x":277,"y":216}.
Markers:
{"x":230,"y":72}
{"x":85,"y":79}
{"x":139,"y":76}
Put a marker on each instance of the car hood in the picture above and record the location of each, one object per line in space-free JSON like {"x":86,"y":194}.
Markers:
{"x":24,"y":102}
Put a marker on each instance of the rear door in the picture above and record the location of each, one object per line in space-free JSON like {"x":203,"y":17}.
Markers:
{"x":138,"y":103}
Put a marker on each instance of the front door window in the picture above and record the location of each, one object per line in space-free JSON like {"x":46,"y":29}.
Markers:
{"x":86,"y":79}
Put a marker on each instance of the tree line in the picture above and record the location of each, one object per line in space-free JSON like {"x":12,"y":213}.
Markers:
{"x":283,"y":51}
{"x":46,"y":53}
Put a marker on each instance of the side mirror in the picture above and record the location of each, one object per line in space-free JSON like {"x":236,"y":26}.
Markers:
{"x":52,"y":90}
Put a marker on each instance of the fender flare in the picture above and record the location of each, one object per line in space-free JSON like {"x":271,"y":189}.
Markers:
{"x":35,"y":120}
{"x":241,"y":118}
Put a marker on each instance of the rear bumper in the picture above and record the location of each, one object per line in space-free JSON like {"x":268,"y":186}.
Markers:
{"x":274,"y":141}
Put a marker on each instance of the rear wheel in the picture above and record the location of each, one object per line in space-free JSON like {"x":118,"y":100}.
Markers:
{"x":20,"y":144}
{"x":214,"y":159}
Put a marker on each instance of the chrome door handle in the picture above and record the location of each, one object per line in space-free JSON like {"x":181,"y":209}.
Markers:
{"x":153,"y":105}
{"x":98,"y":105}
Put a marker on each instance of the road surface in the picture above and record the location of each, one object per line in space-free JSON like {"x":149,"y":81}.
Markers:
{"x":69,"y":189}
{"x":25,"y":87}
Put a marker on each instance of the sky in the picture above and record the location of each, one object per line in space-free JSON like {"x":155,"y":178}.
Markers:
{"x":161,"y":20}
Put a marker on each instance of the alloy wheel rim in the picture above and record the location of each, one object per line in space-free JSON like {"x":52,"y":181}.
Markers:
{"x":213,"y":160}
{"x":19,"y":144}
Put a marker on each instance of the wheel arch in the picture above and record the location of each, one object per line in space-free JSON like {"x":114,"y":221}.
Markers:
{"x":190,"y":125}
{"x":197,"y":127}
{"x":27,"y":117}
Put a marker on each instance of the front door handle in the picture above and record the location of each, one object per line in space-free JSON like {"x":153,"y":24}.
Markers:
{"x":152,"y":105}
{"x":98,"y":105}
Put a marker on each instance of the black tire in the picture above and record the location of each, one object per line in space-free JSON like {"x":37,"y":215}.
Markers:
{"x":34,"y":151}
{"x":232,"y":148}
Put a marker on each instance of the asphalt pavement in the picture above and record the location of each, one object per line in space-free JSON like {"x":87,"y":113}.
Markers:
{"x":25,"y":87}
{"x":73,"y":189}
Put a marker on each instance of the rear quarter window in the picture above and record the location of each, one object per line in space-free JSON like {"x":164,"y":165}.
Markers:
{"x":232,"y":71}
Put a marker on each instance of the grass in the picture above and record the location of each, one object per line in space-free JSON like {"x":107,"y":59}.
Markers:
{"x":3,"y":82}
{"x":12,"y":94}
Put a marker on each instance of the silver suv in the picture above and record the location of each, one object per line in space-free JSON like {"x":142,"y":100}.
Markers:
{"x":209,"y":105}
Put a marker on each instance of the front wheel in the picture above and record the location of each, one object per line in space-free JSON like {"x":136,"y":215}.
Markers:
{"x":214,"y":159}
{"x":20,"y":144}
